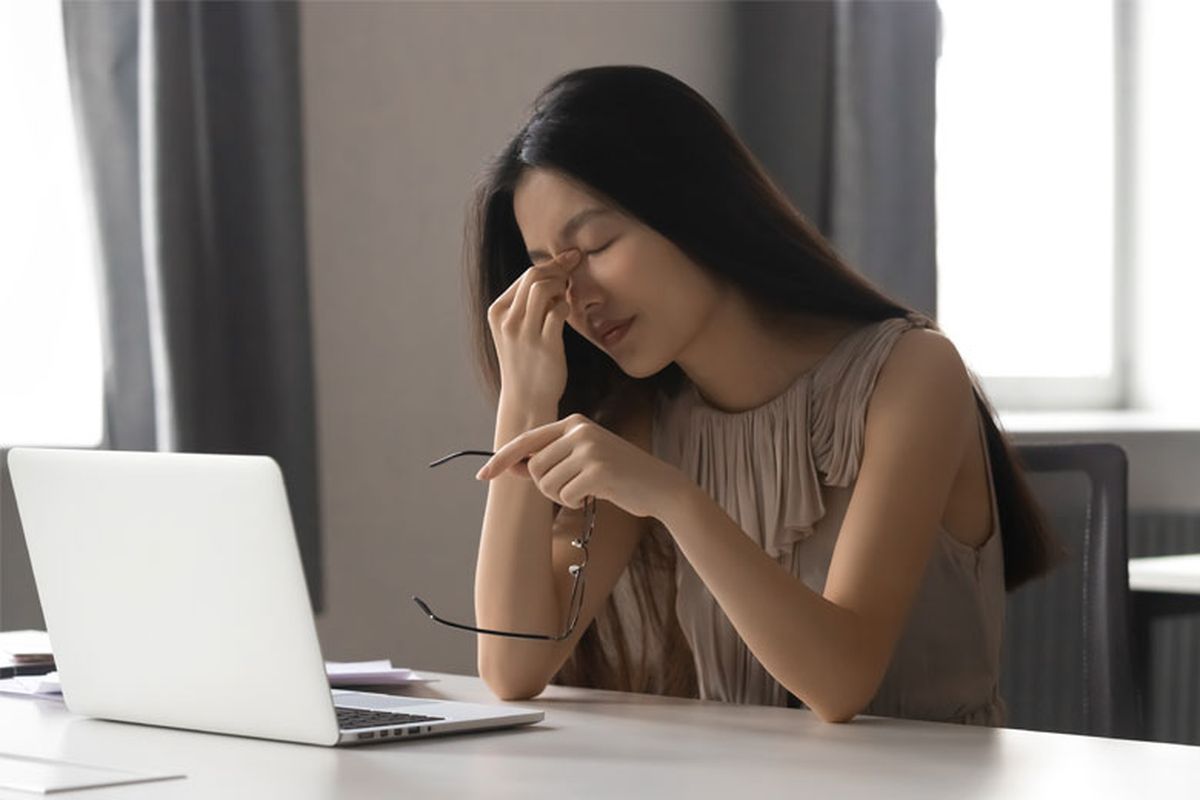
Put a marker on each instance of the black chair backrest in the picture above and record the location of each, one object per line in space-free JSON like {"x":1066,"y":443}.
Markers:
{"x":1066,"y":663}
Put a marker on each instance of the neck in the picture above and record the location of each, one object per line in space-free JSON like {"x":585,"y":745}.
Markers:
{"x":740,"y":361}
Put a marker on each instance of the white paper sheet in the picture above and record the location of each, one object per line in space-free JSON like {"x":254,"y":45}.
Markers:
{"x":41,"y":685}
{"x":46,"y":776}
{"x":341,"y":674}
{"x":371,"y":673}
{"x":24,"y":643}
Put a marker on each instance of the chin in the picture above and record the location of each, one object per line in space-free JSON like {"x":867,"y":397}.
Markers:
{"x":642,"y":369}
{"x":638,"y":374}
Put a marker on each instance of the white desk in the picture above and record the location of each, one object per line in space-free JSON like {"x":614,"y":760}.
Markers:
{"x":1164,"y":587}
{"x":1175,"y":574}
{"x":607,"y":744}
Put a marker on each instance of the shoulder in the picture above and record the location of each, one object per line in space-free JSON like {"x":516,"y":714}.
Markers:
{"x":875,"y":384}
{"x":922,"y":355}
{"x":924,"y":375}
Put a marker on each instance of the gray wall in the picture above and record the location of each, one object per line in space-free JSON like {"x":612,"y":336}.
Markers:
{"x":404,"y":103}
{"x":19,"y":607}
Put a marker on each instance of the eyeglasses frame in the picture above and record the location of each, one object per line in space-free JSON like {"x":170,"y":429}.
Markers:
{"x":574,"y":606}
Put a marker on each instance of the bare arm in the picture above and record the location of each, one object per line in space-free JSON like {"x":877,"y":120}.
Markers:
{"x":521,"y":579}
{"x":832,"y":650}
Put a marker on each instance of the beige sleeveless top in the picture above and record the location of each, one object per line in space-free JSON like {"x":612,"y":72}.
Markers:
{"x":785,"y":472}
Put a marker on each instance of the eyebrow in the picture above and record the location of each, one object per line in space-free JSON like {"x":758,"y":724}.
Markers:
{"x":573,"y":224}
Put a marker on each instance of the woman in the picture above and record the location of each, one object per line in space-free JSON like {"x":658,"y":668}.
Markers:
{"x":800,"y":493}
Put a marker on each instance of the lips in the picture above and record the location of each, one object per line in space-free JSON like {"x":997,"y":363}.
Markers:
{"x":612,"y":332}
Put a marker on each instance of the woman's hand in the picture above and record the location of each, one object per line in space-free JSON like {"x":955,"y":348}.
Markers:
{"x":574,"y":458}
{"x":526,"y":323}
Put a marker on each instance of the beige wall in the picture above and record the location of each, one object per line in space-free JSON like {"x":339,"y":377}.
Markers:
{"x":404,"y":103}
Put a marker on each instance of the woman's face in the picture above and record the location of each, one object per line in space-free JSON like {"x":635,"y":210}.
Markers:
{"x":626,"y":271}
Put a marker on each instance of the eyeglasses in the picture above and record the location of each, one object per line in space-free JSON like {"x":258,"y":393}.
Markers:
{"x":576,"y":570}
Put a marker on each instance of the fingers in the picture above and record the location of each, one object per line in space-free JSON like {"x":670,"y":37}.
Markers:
{"x":564,"y":260}
{"x":513,"y":307}
{"x":502,"y":303}
{"x":556,"y":315}
{"x":574,"y":492}
{"x":561,"y":483}
{"x":541,"y":285}
{"x":526,"y":444}
{"x":532,"y":441}
{"x":545,"y":460}
{"x":544,"y":295}
{"x":555,"y":457}
{"x":554,"y":466}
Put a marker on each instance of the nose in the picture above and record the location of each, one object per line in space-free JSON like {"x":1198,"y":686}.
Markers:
{"x":582,"y":291}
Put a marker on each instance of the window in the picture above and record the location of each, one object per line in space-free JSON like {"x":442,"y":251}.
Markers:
{"x":50,"y":360}
{"x":1166,"y":289}
{"x":1066,"y":173}
{"x":1026,"y":169}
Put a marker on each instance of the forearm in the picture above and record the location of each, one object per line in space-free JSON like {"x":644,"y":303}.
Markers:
{"x":824,"y":654}
{"x":514,"y":581}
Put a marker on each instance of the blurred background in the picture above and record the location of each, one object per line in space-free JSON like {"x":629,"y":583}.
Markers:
{"x":239,"y":227}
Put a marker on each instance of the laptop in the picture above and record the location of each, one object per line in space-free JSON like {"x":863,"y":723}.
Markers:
{"x":173,"y":594}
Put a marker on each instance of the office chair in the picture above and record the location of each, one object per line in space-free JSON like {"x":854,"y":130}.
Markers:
{"x":1066,"y":664}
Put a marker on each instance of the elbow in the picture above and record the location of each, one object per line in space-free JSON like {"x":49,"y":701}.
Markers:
{"x":845,"y":694}
{"x":835,"y":713}
{"x":842,"y":703}
{"x":512,"y":692}
{"x":510,"y":687}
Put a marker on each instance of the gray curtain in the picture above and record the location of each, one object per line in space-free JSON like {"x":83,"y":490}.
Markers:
{"x":836,"y":97}
{"x":189,"y":116}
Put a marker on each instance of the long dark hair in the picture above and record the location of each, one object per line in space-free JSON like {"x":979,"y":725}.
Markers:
{"x":650,"y":145}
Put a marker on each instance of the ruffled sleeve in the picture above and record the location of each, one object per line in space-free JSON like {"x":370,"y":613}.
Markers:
{"x":841,"y":391}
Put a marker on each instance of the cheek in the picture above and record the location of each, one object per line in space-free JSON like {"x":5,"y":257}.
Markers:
{"x":618,"y":272}
{"x":683,"y":306}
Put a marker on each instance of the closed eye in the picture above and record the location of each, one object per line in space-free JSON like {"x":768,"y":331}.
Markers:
{"x":602,"y":249}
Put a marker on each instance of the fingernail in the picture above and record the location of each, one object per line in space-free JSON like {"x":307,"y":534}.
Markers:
{"x":479,"y":475}
{"x":570,"y":256}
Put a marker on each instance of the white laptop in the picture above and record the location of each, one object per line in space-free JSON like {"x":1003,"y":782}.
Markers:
{"x":173,"y":594}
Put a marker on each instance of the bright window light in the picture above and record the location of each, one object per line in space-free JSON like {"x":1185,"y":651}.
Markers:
{"x":50,"y":361}
{"x":1168,"y":258}
{"x":1025,"y":176}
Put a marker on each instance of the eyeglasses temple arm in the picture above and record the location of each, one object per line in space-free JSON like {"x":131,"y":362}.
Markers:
{"x":446,"y":458}
{"x":540,"y":636}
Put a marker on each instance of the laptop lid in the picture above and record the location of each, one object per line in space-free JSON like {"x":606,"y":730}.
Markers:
{"x":173,"y":592}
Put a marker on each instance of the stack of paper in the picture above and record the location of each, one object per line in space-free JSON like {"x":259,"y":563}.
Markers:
{"x":341,"y":674}
{"x":26,"y":662}
{"x":371,"y":673}
{"x":25,"y":647}
{"x":42,"y":685}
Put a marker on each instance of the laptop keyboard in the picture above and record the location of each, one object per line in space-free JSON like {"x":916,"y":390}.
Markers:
{"x":352,"y":718}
